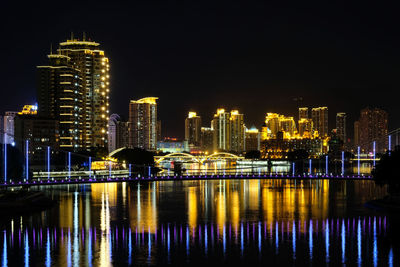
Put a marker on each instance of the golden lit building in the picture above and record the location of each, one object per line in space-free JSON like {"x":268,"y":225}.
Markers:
{"x":143,"y":123}
{"x":320,"y":120}
{"x":193,"y":129}
{"x":305,"y":128}
{"x":303,"y":113}
{"x":61,"y":97}
{"x":275,"y":123}
{"x":207,"y":140}
{"x":222,"y":130}
{"x":252,"y":139}
{"x":237,"y":132}
{"x":94,"y":68}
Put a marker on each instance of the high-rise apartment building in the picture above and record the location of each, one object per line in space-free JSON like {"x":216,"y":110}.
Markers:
{"x":222,"y":130}
{"x":275,"y":123}
{"x":61,"y":97}
{"x":373,"y":126}
{"x":320,"y":120}
{"x":207,"y":140}
{"x":193,"y":129}
{"x":118,"y":133}
{"x":356,"y":133}
{"x":73,"y":88}
{"x":237,"y":135}
{"x":341,"y":126}
{"x":94,"y":68}
{"x":303,"y":113}
{"x":252,"y":139}
{"x":143,"y":123}
{"x":8,"y":126}
{"x":306,"y":128}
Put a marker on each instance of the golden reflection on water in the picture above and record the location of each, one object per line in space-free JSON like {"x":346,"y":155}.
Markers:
{"x":89,"y":219}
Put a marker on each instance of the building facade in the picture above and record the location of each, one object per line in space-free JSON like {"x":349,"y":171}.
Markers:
{"x":222,"y":130}
{"x":373,"y":126}
{"x":8,"y":126}
{"x":207,"y":140}
{"x":193,"y":129}
{"x":320,"y":120}
{"x":237,"y":135}
{"x":61,"y":97}
{"x":94,"y":68}
{"x":303,"y":113}
{"x":341,"y":126}
{"x":143,"y":123}
{"x":252,"y":139}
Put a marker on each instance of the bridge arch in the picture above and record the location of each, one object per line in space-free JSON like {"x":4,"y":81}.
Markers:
{"x":177,"y":155}
{"x":222,"y":155}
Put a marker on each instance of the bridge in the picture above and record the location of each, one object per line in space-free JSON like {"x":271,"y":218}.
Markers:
{"x":119,"y":179}
{"x":185,"y":157}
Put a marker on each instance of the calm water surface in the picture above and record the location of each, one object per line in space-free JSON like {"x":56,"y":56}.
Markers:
{"x":252,"y":222}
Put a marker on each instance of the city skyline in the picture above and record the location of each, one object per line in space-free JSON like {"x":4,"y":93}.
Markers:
{"x":223,"y":67}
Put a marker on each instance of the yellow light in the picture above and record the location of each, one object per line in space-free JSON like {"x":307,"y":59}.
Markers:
{"x":192,"y":114}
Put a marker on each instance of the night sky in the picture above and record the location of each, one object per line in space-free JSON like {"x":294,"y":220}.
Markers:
{"x":255,"y":57}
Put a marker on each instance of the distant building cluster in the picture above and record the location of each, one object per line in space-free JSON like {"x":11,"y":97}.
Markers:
{"x":72,"y":114}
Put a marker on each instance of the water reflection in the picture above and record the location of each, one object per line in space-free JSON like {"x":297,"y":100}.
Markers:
{"x":286,"y":221}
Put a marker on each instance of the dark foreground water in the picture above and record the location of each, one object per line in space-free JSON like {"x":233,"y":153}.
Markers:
{"x":231,"y":222}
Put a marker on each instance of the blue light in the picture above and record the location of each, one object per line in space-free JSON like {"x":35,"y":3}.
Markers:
{"x":26,"y":249}
{"x":5,"y":161}
{"x":27,"y":160}
{"x":358,"y":160}
{"x":326,"y":165}
{"x":130,"y":170}
{"x":310,"y":166}
{"x":359,"y":246}
{"x":374,"y":152}
{"x":343,"y":243}
{"x":90,"y":167}
{"x":327,"y":240}
{"x":69,"y":165}
{"x":48,"y":163}
{"x":375,"y":246}
{"x":12,"y":143}
{"x":294,"y":239}
{"x":342,"y":162}
{"x":390,"y":144}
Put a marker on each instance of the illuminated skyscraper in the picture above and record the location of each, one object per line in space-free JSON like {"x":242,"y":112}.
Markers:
{"x":94,"y":69}
{"x":207,"y":140}
{"x":341,"y":126}
{"x":303,"y":113}
{"x":8,"y":126}
{"x":305,"y":128}
{"x":373,"y":126}
{"x":118,"y":133}
{"x":320,"y":120}
{"x":356,"y":133}
{"x":61,"y":97}
{"x":222,"y":130}
{"x":143,"y":123}
{"x":275,"y":123}
{"x":252,"y":141}
{"x":193,"y":129}
{"x":237,"y":132}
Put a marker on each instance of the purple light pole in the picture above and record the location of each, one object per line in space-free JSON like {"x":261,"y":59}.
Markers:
{"x":310,"y":166}
{"x":90,"y":167}
{"x":358,"y":160}
{"x":326,"y":165}
{"x":48,"y":163}
{"x":130,"y":170}
{"x":27,"y":159}
{"x":69,"y":165}
{"x":374,"y":152}
{"x":390,"y":144}
{"x":109,"y":168}
{"x":293,"y":167}
{"x":342,"y":162}
{"x":5,"y":159}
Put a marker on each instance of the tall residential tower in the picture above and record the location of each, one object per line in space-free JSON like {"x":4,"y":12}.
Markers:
{"x":143,"y":123}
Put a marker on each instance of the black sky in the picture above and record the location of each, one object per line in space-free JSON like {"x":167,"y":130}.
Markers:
{"x":202,"y":55}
